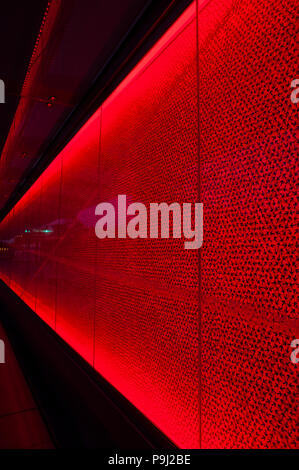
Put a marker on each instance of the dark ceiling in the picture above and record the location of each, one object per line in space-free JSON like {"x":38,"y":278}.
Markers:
{"x":62,"y":47}
{"x":20,"y":23}
{"x":73,"y":40}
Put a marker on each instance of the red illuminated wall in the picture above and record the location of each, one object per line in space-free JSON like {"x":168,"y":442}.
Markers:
{"x":199,"y":341}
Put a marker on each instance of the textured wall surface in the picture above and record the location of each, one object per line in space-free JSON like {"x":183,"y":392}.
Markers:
{"x":198,"y":340}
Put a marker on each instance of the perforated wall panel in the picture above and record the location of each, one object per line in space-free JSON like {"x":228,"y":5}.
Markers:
{"x":198,"y":340}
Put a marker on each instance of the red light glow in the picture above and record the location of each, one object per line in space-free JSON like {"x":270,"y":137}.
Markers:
{"x":207,"y":362}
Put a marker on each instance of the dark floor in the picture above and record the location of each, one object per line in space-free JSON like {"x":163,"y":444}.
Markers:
{"x":21,"y":425}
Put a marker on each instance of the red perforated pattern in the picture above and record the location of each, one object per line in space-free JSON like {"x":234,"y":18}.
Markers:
{"x":247,"y":179}
{"x":198,"y":340}
{"x":147,"y":291}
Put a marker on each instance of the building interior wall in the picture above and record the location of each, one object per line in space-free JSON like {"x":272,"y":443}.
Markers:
{"x":197,"y":340}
